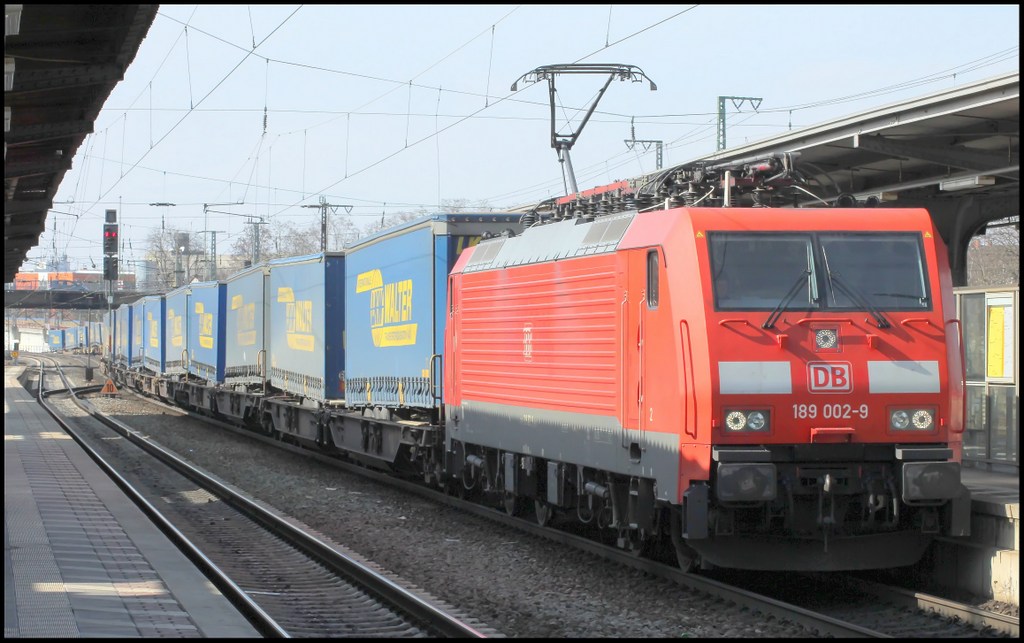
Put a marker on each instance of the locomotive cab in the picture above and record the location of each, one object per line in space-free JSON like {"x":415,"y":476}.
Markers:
{"x":837,"y":390}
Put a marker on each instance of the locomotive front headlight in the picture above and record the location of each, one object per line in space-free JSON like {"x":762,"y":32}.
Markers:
{"x":747,"y":420}
{"x":735,"y":420}
{"x":756,"y":421}
{"x":922,"y":419}
{"x":900,"y":419}
{"x":826,"y":338}
{"x":912,"y":419}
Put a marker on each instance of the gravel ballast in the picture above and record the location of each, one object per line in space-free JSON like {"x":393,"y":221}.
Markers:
{"x":519,"y":585}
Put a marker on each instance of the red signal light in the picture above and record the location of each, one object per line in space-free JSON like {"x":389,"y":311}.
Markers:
{"x":109,"y":238}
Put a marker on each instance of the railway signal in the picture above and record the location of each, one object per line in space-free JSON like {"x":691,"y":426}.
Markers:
{"x":109,"y":238}
{"x":110,"y":268}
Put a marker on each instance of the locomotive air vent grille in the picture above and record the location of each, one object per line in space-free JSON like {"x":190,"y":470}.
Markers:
{"x":484,"y":255}
{"x":595,"y":233}
{"x":608,"y":231}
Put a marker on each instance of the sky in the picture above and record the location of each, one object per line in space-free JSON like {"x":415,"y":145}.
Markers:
{"x":242,"y":111}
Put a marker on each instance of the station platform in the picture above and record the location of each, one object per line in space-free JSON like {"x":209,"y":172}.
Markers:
{"x":995,"y":492}
{"x":987,"y":563}
{"x":80,"y":558}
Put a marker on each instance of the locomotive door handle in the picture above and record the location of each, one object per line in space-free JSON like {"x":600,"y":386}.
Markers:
{"x":623,"y":358}
{"x":641,"y":374}
{"x":433,"y":380}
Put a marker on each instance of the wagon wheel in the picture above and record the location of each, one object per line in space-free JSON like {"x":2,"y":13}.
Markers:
{"x":542,"y":511}
{"x":513,"y":504}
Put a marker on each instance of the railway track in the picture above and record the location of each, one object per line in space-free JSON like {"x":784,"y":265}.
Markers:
{"x":825,"y":605}
{"x":287,"y":581}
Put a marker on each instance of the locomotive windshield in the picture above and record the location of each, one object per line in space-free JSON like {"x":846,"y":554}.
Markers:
{"x":810,"y":271}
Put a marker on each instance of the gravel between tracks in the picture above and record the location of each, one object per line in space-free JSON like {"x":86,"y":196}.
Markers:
{"x":519,"y":585}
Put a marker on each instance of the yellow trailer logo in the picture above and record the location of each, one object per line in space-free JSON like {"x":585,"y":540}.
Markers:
{"x":390,"y":309}
{"x":298,"y":315}
{"x":205,"y":326}
{"x":154,"y":331}
{"x":174,"y":323}
{"x":245,"y":320}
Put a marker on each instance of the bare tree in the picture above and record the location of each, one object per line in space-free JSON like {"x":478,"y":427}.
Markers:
{"x":280,"y":239}
{"x":291,"y":240}
{"x":341,"y":231}
{"x":175,"y":257}
{"x":447,"y":205}
{"x":244,"y":244}
{"x":993,"y":259}
{"x":287,"y":239}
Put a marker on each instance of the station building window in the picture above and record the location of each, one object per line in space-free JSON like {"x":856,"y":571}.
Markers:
{"x":990,"y":318}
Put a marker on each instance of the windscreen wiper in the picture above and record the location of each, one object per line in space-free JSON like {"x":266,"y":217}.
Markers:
{"x":921,"y":299}
{"x":794,"y":289}
{"x":858,"y":298}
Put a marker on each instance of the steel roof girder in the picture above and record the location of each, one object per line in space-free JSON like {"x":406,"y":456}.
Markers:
{"x":963,"y":158}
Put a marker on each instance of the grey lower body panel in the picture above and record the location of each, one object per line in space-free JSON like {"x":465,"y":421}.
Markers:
{"x":581,"y":439}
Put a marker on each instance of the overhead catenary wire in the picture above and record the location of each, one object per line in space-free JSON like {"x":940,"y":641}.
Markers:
{"x":192,"y":106}
{"x":610,"y":163}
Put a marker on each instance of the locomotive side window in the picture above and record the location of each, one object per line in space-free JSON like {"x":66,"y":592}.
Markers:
{"x":761,"y":271}
{"x":884,"y":270}
{"x":652,"y":278}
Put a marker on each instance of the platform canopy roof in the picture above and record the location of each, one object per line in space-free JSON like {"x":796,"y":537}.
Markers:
{"x":61,"y":62}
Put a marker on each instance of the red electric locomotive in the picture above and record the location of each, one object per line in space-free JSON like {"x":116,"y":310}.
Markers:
{"x":761,"y":388}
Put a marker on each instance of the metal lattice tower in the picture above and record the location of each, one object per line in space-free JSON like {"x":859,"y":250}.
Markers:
{"x":737,"y":102}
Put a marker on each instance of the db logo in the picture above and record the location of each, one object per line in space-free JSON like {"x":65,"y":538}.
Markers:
{"x":829,"y":377}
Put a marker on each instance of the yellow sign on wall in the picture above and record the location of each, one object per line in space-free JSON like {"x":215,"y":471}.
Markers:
{"x":999,"y":358}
